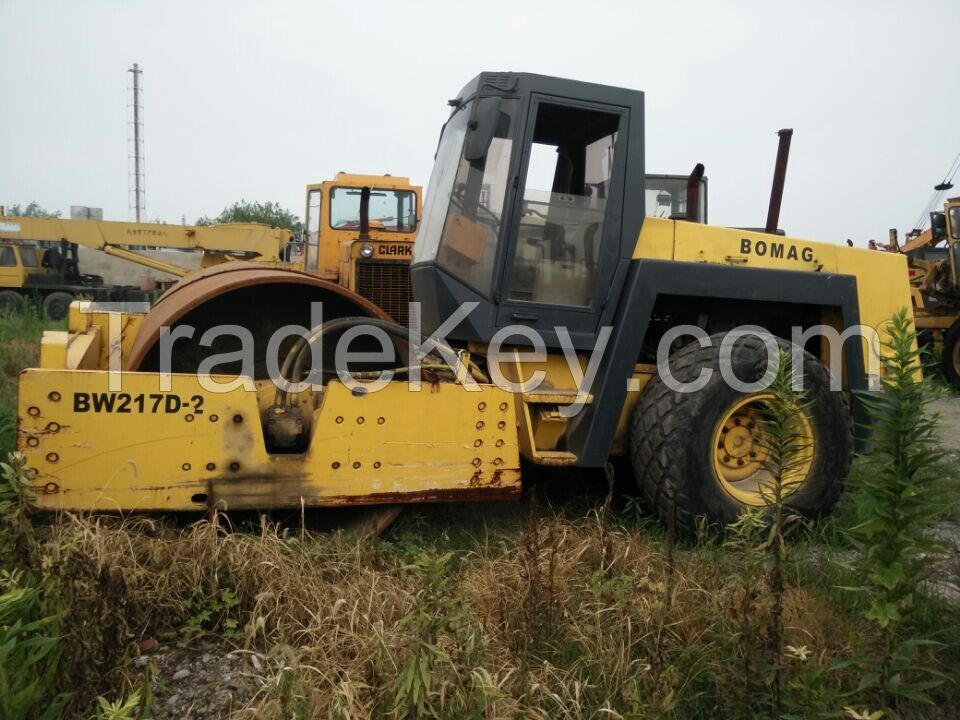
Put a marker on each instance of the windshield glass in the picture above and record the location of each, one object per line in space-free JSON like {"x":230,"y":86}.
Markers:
{"x":470,"y":203}
{"x":666,"y":196}
{"x":440,"y":186}
{"x":390,"y":210}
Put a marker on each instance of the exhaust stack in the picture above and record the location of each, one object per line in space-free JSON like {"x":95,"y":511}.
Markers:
{"x":779,"y":176}
{"x":693,"y":194}
{"x":365,"y":214}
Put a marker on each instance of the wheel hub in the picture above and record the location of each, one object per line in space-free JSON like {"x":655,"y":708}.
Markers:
{"x":739,"y":451}
{"x":740,"y":456}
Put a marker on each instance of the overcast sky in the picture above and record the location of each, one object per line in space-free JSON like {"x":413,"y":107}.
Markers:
{"x":256,"y":99}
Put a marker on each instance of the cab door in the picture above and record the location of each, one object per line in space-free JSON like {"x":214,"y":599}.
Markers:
{"x":11,"y":272}
{"x":565,"y":240}
{"x":953,"y":237}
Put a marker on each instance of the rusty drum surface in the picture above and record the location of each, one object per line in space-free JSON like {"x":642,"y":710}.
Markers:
{"x":258,"y":299}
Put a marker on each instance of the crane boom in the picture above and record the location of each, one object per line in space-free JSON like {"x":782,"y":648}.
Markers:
{"x":252,"y":241}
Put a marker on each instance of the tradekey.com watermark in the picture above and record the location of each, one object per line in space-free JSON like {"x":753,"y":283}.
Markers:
{"x":406,"y":353}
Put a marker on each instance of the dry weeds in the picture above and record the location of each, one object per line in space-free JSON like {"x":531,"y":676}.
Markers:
{"x":566,"y":618}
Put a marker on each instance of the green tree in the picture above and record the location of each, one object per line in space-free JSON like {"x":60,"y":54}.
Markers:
{"x":268,"y":213}
{"x":32,"y":209}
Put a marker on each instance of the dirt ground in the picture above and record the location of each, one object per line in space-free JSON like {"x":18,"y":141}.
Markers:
{"x":949,"y":410}
{"x":948,"y":531}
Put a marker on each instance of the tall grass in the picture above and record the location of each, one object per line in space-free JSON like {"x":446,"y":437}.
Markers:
{"x":475,"y":611}
{"x":357,"y":630}
{"x":19,"y":348}
{"x":422,"y":625}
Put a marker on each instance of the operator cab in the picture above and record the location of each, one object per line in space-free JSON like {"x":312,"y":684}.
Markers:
{"x":525,"y":213}
{"x":951,"y":231}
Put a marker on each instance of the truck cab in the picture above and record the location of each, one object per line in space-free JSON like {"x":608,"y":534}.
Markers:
{"x":49,"y":274}
{"x":16,"y":263}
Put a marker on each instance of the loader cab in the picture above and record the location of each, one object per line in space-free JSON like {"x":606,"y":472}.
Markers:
{"x":526,"y":213}
{"x":359,"y":233}
{"x":951,"y":231}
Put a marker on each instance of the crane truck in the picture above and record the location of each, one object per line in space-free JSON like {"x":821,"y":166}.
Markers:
{"x":546,"y":293}
{"x":367,"y":261}
{"x":39,"y":256}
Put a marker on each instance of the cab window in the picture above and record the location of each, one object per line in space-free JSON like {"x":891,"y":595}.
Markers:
{"x":564,"y":203}
{"x":28,"y":256}
{"x":390,"y":210}
{"x":7,"y":257}
{"x":314,"y":200}
{"x":955,"y":222}
{"x":471,"y":231}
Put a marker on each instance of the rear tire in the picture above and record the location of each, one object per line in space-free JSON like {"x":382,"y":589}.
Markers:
{"x":950,"y":359}
{"x":56,"y":305}
{"x":674,"y":438}
{"x":11,"y":302}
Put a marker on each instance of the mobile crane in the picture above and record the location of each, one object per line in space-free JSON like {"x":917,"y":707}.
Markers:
{"x":370,"y":260}
{"x":38,"y":256}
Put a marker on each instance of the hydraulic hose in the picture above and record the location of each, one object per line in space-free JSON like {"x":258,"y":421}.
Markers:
{"x":296,"y":359}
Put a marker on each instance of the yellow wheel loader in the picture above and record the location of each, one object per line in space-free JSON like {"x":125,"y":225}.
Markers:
{"x":935,"y":284}
{"x":360,"y":231}
{"x":555,"y":321}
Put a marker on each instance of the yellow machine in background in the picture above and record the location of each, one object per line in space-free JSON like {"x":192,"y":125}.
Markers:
{"x":360,"y":231}
{"x":217,"y":243}
{"x":536,"y":224}
{"x":39,"y":259}
{"x":38,"y":256}
{"x":935,"y":284}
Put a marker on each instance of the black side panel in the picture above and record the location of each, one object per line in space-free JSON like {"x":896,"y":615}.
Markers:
{"x":592,"y":431}
{"x":438,"y":291}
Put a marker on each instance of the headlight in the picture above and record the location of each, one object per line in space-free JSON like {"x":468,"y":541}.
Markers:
{"x":366,"y":250}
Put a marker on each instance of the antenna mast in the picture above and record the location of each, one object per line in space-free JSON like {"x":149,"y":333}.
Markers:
{"x":139,"y":192}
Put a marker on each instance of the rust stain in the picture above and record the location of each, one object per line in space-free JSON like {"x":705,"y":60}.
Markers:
{"x":553,"y":462}
{"x":259,"y":492}
{"x":200,"y":287}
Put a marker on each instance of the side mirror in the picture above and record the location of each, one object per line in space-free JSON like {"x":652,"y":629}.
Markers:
{"x":482,"y":128}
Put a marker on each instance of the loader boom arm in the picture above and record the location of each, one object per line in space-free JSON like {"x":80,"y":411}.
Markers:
{"x":925,"y":239}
